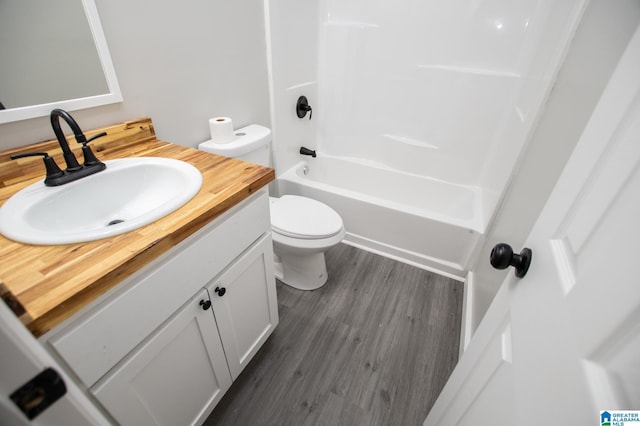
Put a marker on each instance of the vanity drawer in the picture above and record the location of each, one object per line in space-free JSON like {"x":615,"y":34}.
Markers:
{"x":98,"y":338}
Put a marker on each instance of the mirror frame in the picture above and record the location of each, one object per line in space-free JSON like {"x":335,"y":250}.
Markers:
{"x":114,"y":94}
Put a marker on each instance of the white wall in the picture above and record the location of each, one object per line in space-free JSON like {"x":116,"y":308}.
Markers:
{"x":293,"y":34}
{"x":598,"y":44}
{"x":179,"y":63}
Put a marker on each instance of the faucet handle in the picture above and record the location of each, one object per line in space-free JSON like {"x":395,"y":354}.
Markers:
{"x":99,"y":135}
{"x":89,"y":157}
{"x":302,"y":107}
{"x":53,"y":171}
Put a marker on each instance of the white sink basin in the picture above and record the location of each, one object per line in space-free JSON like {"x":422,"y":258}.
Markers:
{"x":130,"y":193}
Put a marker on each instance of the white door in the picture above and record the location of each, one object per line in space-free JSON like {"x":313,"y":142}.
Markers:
{"x":563,"y":343}
{"x":22,"y":358}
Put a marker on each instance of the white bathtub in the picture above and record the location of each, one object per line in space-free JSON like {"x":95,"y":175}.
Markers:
{"x":432,"y":224}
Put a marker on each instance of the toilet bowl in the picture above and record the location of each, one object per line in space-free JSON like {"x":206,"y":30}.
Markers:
{"x":302,"y":229}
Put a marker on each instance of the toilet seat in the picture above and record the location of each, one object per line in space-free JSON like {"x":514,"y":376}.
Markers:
{"x":304,"y":218}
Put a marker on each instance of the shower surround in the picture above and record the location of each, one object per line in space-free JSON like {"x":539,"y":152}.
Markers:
{"x":427,"y":99}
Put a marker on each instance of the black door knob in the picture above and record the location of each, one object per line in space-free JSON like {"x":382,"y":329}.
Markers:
{"x":502,"y":256}
{"x":206,"y":304}
{"x":221,"y":291}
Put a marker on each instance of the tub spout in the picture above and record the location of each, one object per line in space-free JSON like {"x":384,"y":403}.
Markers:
{"x":307,"y":151}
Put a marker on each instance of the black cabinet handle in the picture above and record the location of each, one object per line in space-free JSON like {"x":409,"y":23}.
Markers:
{"x":206,"y":304}
{"x":502,"y":256}
{"x":220,"y":291}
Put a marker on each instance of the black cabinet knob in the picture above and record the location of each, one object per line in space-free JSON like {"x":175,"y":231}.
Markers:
{"x":220,"y":291}
{"x":206,"y":304}
{"x":502,"y":256}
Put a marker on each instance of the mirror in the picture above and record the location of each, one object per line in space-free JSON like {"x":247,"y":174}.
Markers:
{"x":58,"y":58}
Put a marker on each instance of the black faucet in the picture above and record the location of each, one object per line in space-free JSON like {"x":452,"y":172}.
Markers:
{"x":74,"y":171}
{"x":90,"y":159}
{"x":69,"y":158}
{"x":307,"y":151}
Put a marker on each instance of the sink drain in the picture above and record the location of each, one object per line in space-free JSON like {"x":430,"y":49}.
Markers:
{"x":115,"y":222}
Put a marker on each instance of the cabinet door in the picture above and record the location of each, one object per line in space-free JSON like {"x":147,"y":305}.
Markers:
{"x":174,"y":378}
{"x":246,"y":311}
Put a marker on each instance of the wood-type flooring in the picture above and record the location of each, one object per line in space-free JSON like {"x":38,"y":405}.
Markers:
{"x":374,"y":346}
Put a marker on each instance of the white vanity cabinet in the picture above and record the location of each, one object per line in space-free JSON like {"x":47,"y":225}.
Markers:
{"x":175,"y":378}
{"x":245,"y":311}
{"x":164,"y":347}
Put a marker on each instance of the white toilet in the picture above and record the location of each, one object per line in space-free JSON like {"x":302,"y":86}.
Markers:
{"x":302,"y":228}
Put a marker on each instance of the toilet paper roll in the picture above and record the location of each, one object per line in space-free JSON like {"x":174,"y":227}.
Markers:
{"x":221,"y":129}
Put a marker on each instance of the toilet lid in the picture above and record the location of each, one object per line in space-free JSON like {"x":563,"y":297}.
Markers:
{"x":302,"y":217}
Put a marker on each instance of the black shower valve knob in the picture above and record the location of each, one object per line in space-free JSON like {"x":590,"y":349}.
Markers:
{"x":302,"y":107}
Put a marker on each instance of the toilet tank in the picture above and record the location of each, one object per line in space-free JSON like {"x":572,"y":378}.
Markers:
{"x":251,"y":143}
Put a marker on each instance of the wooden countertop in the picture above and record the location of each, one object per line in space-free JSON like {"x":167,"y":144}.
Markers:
{"x":44,"y":285}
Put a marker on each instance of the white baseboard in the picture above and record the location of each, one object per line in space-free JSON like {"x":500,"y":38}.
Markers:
{"x":438,"y":266}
